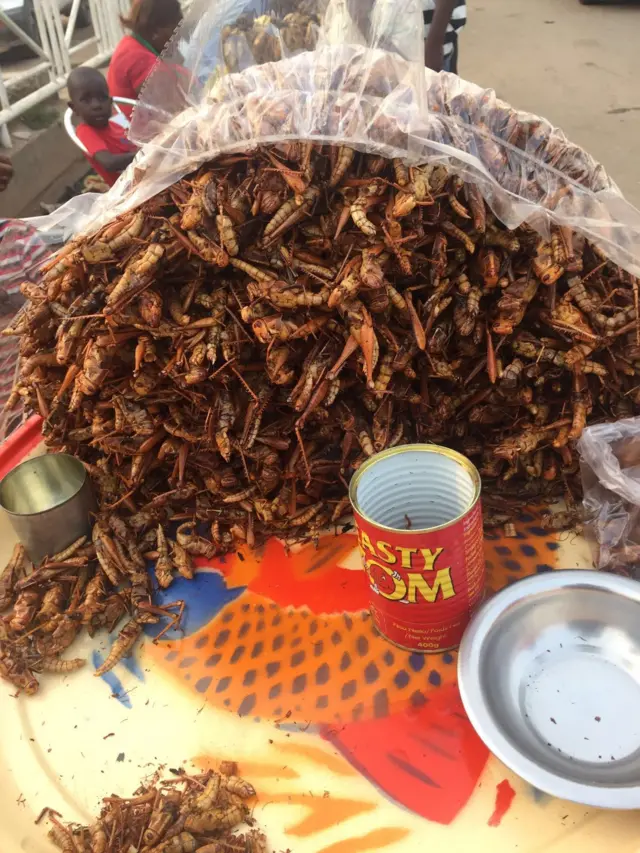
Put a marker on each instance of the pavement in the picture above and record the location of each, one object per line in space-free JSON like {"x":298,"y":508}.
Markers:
{"x":45,"y":161}
{"x":578,"y":66}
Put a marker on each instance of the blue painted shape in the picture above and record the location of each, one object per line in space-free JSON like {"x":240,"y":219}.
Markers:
{"x":513,"y":565}
{"x":112,"y":680}
{"x":552,"y":546}
{"x":503,"y":549}
{"x":526,"y":517}
{"x":371,"y":673}
{"x":204,"y":597}
{"x":538,"y":531}
{"x":247,"y":705}
{"x":543,"y":567}
{"x":401,"y":678}
{"x":416,"y":661}
{"x":418,"y":699}
{"x":221,"y":638}
{"x":528,"y":550}
{"x":202,"y":684}
{"x":134,"y":667}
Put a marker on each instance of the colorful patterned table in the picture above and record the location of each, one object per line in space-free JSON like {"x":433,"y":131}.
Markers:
{"x":353,"y":745}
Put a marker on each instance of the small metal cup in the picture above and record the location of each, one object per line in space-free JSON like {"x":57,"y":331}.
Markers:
{"x":49,"y":501}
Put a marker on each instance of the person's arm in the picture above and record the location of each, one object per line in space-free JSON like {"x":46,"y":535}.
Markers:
{"x":434,"y":42}
{"x":94,"y":143}
{"x":113,"y":162}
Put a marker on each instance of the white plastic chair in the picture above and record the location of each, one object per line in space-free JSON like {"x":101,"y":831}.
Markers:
{"x":119,"y":117}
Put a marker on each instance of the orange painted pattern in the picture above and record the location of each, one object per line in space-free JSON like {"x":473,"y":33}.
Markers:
{"x":322,"y":810}
{"x":374,"y":840}
{"x":336,"y":765}
{"x":294,"y":643}
{"x":260,"y":660}
{"x":281,"y":646}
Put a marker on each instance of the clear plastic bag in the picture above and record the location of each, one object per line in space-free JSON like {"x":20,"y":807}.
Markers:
{"x":22,"y":250}
{"x":236,"y":75}
{"x":610,"y":468}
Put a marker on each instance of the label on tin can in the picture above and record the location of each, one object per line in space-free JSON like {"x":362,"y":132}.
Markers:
{"x":424,"y":584}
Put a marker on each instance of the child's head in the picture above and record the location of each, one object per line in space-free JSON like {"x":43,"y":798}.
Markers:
{"x":89,"y":96}
{"x":154,"y":21}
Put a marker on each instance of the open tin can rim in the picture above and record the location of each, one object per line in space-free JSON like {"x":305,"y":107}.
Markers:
{"x":423,"y":448}
{"x":10,"y":475}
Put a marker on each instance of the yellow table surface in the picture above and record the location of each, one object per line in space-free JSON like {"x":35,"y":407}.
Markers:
{"x":352,"y":744}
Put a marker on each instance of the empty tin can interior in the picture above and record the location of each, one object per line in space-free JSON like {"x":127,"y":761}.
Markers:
{"x":417,"y":487}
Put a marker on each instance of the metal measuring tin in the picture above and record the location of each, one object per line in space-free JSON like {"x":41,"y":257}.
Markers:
{"x":419,"y":519}
{"x":49,"y":501}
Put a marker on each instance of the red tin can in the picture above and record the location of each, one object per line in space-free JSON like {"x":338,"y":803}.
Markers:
{"x":419,"y":519}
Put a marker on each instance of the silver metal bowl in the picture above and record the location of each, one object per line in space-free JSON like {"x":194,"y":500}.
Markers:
{"x":549,"y":673}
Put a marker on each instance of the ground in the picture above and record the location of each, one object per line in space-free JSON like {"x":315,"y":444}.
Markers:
{"x":578,"y":66}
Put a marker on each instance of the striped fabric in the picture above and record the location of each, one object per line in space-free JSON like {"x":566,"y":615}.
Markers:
{"x":21,"y":250}
{"x":458,"y":20}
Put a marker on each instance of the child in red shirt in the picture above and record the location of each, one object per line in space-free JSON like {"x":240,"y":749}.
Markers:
{"x":152,"y":23}
{"x":108,"y":149}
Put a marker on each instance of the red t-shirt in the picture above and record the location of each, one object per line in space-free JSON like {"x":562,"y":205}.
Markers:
{"x":111,"y":138}
{"x":130,"y":66}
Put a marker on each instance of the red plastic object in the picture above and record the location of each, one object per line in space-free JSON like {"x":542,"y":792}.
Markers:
{"x":428,"y":758}
{"x":20,"y":443}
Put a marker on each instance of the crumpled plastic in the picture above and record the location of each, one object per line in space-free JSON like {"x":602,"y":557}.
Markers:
{"x":352,"y":72}
{"x":610,"y":469}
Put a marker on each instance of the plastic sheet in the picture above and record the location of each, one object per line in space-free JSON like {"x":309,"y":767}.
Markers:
{"x":352,"y":72}
{"x":610,"y":467}
{"x":22,"y":250}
